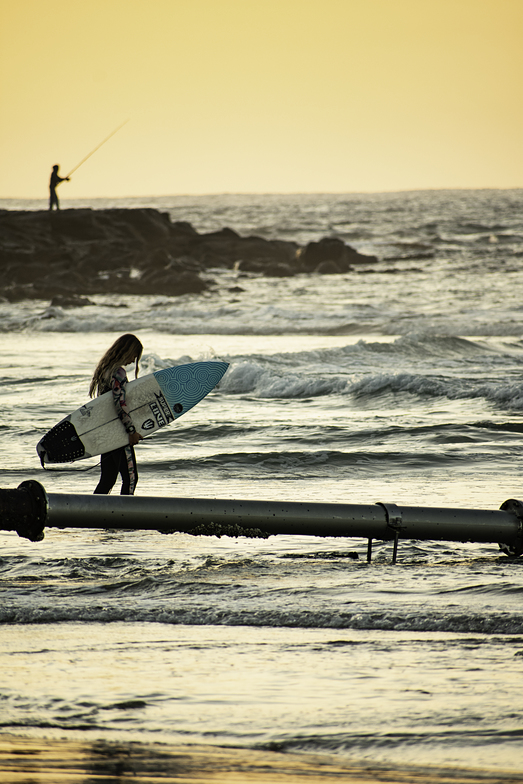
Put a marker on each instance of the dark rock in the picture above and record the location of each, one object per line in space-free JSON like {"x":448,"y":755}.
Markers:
{"x":227,"y":248}
{"x":332,"y":249}
{"x":75,"y":225}
{"x":269,"y":267}
{"x":79,"y":253}
{"x":60,"y":301}
{"x":170,"y":281}
{"x":329,"y":268}
{"x":86,"y":252}
{"x":18,"y":293}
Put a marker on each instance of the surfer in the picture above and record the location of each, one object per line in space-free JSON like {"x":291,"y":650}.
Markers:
{"x":53,"y":182}
{"x":110,"y":374}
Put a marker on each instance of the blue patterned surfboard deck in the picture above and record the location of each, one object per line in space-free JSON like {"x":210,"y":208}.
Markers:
{"x":186,"y":385}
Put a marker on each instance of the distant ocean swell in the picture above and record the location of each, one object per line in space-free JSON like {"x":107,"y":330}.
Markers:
{"x":430,"y":620}
{"x":289,"y":460}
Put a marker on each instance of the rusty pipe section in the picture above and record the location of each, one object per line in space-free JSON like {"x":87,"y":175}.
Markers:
{"x":29,"y":509}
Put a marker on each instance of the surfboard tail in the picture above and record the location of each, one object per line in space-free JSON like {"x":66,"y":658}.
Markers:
{"x":61,"y":444}
{"x":42,"y":454}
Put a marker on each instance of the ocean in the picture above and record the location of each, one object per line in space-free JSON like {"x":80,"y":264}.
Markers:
{"x":401,"y":382}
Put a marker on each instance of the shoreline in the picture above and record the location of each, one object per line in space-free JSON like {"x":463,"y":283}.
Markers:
{"x":45,"y":761}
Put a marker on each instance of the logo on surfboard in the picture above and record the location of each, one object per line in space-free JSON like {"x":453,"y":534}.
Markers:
{"x":161,"y":411}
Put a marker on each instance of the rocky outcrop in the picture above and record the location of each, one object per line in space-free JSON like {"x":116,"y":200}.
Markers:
{"x":330,"y":255}
{"x":74,"y":254}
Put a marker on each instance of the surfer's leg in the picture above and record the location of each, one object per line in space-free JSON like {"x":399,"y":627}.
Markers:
{"x":110,"y":464}
{"x":129,"y":471}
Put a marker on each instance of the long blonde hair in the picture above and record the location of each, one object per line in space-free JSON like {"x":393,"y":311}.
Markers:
{"x":125,"y":349}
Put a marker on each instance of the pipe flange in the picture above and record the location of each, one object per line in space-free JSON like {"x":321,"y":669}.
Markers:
{"x":514,"y":550}
{"x":34,"y":512}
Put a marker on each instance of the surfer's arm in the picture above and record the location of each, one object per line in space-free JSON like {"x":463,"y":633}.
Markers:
{"x":119,"y":382}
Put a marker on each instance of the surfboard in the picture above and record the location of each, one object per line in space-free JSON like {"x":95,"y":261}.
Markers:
{"x":153,"y":401}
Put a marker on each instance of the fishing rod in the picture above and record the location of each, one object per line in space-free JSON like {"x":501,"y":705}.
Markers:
{"x":96,"y":148}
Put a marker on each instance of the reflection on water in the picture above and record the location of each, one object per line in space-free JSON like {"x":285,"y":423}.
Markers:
{"x":374,"y":695}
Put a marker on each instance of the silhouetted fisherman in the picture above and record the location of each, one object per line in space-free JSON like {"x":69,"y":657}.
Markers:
{"x":53,"y":182}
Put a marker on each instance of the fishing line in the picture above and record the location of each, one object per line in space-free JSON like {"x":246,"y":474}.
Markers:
{"x":96,"y":148}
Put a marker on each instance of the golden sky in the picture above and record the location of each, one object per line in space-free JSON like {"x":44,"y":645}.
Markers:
{"x":260,"y":96}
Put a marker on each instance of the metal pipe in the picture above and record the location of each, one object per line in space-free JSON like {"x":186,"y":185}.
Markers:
{"x":39,"y":509}
{"x":277,"y":517}
{"x":184,"y":514}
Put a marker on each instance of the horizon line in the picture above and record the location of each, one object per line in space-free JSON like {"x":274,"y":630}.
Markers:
{"x":270,"y":193}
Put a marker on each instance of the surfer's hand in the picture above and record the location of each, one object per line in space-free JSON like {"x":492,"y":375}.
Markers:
{"x":134,"y":438}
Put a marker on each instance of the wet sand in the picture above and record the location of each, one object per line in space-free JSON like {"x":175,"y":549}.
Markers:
{"x":41,"y":761}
